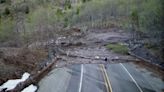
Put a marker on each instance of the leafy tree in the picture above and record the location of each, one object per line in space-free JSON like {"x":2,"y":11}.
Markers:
{"x":59,"y":12}
{"x":27,"y":10}
{"x":2,"y":1}
{"x":84,"y":1}
{"x":67,"y":4}
{"x":6,"y":11}
{"x":78,"y":11}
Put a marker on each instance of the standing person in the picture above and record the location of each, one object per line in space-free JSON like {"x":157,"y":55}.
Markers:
{"x":106,"y":59}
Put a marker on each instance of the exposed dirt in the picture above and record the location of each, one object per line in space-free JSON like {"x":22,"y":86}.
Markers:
{"x":92,"y":49}
{"x":157,"y":72}
{"x":77,"y":48}
{"x":15,"y":61}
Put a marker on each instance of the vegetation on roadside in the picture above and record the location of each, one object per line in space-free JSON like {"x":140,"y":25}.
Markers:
{"x":24,"y":22}
{"x":37,"y":20}
{"x":143,"y":18}
{"x":15,"y":61}
{"x":118,"y":48}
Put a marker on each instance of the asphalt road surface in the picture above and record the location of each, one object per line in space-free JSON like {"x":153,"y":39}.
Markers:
{"x":99,"y":78}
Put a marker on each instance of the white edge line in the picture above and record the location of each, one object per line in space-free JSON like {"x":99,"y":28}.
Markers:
{"x":81,"y":78}
{"x":132,"y":78}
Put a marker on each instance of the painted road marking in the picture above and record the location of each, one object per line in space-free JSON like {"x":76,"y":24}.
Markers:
{"x":131,"y":77}
{"x":106,"y":85}
{"x":106,"y":79}
{"x":81,"y":78}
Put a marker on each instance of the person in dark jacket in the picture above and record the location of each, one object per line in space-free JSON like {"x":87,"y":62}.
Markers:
{"x":106,"y":59}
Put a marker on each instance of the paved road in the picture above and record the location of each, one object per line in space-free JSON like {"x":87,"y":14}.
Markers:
{"x":124,"y":78}
{"x":76,"y":78}
{"x":93,"y":79}
{"x":97,"y":78}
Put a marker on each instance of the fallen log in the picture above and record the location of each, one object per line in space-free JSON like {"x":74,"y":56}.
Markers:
{"x":148,"y":62}
{"x":34,"y":78}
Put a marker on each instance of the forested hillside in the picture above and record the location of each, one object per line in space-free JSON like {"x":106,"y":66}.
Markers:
{"x":34,"y":32}
{"x":23,"y":22}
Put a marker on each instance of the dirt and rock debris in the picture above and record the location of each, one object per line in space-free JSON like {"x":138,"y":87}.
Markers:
{"x":15,"y":61}
{"x":93,"y":45}
{"x":73,"y":46}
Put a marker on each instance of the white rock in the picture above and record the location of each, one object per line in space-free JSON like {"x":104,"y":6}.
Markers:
{"x":11,"y":84}
{"x":116,"y":57}
{"x":30,"y":88}
{"x":97,"y":57}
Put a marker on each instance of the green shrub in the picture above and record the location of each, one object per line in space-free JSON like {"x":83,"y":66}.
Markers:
{"x":67,"y":4}
{"x":6,"y":30}
{"x":118,"y":48}
{"x":78,"y":11}
{"x":59,"y":12}
{"x":85,"y":1}
{"x":135,"y":17}
{"x":2,"y":1}
{"x":26,"y":10}
{"x":6,"y":11}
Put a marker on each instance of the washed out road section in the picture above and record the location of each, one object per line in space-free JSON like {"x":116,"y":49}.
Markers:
{"x":56,"y":81}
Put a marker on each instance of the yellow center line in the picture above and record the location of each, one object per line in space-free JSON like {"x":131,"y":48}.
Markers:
{"x":106,"y":79}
